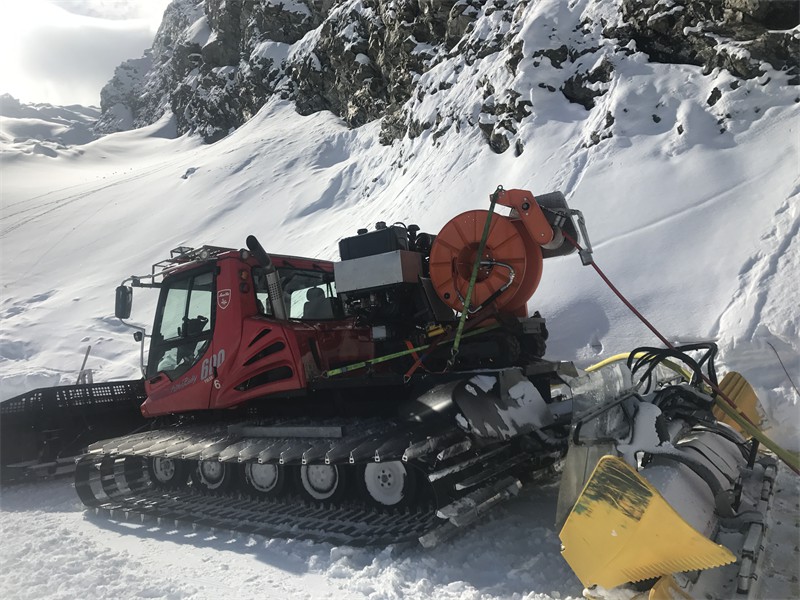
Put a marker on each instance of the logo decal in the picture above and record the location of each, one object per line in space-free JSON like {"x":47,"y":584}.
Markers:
{"x":223,"y":298}
{"x":183,"y":383}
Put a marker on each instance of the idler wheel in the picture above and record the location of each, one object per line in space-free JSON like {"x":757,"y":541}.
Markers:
{"x":507,"y":248}
{"x":389,"y":484}
{"x":212,"y":475}
{"x":168,"y":473}
{"x":264,"y":480}
{"x":323,"y":482}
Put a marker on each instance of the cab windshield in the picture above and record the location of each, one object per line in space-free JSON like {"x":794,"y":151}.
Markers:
{"x":184,"y":324}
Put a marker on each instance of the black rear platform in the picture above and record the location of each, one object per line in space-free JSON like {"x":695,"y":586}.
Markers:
{"x":42,"y":431}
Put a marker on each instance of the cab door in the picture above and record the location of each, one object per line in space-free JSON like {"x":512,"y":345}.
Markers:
{"x":182,"y":340}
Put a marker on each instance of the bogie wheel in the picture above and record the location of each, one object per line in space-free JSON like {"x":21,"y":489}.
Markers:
{"x":168,"y":473}
{"x":390,"y":484}
{"x":212,"y":475}
{"x":323,"y":483}
{"x":264,"y":480}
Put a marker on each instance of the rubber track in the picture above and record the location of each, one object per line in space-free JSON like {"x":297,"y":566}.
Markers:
{"x":113,"y":479}
{"x":101,"y":484}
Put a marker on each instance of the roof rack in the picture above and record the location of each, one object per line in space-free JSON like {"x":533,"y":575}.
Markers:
{"x":185,"y":254}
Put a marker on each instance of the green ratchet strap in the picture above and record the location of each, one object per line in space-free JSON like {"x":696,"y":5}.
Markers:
{"x":388,"y":357}
{"x":474,"y":276}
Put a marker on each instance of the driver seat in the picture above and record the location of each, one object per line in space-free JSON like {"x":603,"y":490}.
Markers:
{"x":317,"y":306}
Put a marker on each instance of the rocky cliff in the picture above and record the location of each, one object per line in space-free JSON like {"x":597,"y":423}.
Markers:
{"x":430,"y":65}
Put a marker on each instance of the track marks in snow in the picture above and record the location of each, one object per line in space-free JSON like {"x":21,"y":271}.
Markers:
{"x":759,"y":329}
{"x":570,"y":175}
{"x":760,"y":268}
{"x":40,"y":209}
{"x":768,"y":269}
{"x":697,"y":208}
{"x":61,"y":558}
{"x":17,"y":307}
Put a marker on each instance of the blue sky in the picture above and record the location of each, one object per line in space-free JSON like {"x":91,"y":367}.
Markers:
{"x":64,"y":51}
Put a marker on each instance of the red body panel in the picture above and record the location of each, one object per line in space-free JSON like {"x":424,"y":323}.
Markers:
{"x":185,"y":393}
{"x":254,"y":356}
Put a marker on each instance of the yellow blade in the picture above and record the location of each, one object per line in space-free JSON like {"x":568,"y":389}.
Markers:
{"x":621,"y":529}
{"x":736,"y":387}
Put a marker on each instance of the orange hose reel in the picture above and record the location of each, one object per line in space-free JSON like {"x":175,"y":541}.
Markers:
{"x":453,"y":256}
{"x":512,"y":251}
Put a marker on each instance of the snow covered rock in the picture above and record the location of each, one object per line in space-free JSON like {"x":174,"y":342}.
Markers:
{"x":119,"y":98}
{"x":737,"y":35}
{"x":141,"y":90}
{"x":215,"y":63}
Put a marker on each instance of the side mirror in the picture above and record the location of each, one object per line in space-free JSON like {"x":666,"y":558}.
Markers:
{"x":124,"y":302}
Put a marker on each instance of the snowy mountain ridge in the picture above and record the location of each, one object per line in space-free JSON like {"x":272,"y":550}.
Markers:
{"x":43,"y":128}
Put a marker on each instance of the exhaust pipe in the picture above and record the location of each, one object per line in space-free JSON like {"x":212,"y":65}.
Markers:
{"x":273,"y":279}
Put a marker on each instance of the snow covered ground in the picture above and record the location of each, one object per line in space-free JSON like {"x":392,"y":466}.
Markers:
{"x":52,"y":549}
{"x":698,"y":227}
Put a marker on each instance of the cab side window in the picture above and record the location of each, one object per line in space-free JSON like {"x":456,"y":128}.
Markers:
{"x":261,"y":291}
{"x":307,"y":294}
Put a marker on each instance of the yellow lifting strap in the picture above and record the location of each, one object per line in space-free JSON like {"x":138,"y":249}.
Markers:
{"x":739,"y":390}
{"x":621,"y":529}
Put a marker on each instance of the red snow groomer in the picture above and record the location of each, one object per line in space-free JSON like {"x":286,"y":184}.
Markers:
{"x":400,"y":393}
{"x":408,"y":375}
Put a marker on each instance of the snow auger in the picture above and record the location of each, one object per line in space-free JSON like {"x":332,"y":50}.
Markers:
{"x":656,"y":491}
{"x":408,"y":378}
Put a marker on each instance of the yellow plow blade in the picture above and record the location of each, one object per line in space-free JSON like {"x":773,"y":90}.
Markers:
{"x":621,"y":529}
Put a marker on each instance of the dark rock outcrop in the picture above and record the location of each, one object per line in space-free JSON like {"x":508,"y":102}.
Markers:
{"x":737,"y":35}
{"x":215,"y":63}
